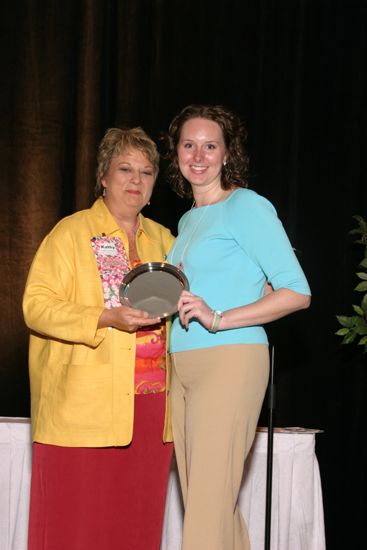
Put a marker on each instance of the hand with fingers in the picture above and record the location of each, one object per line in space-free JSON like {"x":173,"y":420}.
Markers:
{"x":126,"y":318}
{"x":194,"y":307}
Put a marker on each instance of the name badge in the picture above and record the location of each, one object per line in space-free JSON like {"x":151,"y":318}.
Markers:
{"x":113,"y":264}
{"x":108,"y":249}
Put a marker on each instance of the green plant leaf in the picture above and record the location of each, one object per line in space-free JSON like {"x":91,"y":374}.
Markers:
{"x":356,"y":325}
{"x":346,"y":321}
{"x":361,"y":287}
{"x":349,"y":338}
{"x":358,"y":310}
{"x":358,"y":218}
{"x":361,"y":326}
{"x":361,"y":222}
{"x":342,"y":331}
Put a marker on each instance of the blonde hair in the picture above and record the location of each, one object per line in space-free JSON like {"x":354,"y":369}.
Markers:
{"x":117,"y":140}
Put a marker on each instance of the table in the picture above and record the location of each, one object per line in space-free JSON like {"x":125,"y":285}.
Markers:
{"x":15,"y":476}
{"x":297,"y":509}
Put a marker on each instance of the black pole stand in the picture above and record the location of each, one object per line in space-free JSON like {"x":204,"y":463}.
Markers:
{"x":269,"y":465}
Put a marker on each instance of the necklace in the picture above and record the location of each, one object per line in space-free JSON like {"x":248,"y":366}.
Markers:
{"x":205,"y":208}
{"x":180,"y":263}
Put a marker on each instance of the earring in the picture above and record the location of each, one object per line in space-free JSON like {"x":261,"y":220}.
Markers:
{"x":224,"y":162}
{"x":148,"y":203}
{"x":104,"y":192}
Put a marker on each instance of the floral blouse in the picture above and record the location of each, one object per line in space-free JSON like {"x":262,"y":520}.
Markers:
{"x":150,"y":363}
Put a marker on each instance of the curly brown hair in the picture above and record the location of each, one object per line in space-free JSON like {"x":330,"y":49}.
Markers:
{"x":236,"y":170}
{"x":117,"y":140}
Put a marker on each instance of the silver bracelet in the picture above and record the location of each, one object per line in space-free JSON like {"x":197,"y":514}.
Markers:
{"x":217,"y":315}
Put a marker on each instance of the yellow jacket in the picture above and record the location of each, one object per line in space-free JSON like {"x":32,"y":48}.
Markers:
{"x":82,"y":379}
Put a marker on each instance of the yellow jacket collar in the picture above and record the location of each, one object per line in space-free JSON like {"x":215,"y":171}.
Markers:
{"x":107,"y":221}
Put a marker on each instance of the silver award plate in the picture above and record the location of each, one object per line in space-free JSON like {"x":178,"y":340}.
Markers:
{"x":154,"y":287}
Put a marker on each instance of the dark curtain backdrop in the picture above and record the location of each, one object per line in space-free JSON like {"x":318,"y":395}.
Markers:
{"x":295,"y":70}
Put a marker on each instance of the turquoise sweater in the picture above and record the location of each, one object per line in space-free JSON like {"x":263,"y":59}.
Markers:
{"x":228,"y":251}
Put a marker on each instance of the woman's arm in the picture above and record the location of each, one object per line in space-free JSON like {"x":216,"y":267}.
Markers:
{"x":50,"y":305}
{"x":270,"y":307}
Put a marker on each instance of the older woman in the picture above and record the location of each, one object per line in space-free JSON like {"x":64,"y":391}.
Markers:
{"x":98,"y":368}
{"x":230,"y":245}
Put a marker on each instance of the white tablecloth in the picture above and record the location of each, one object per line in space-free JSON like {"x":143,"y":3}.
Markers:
{"x":297,"y":510}
{"x":15,"y":476}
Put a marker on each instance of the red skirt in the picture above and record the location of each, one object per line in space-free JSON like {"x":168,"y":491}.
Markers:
{"x":103,"y":498}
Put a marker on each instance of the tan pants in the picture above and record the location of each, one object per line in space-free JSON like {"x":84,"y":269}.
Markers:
{"x":216,"y":396}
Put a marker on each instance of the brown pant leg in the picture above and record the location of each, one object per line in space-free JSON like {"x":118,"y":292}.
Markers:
{"x":216,"y":395}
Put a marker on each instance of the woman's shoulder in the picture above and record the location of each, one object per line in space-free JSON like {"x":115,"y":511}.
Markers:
{"x":72,"y":226}
{"x":245,"y":198}
{"x":71,"y":221}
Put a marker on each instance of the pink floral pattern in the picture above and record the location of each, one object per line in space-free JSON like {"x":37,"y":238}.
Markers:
{"x":113,"y":264}
{"x":150,"y":362}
